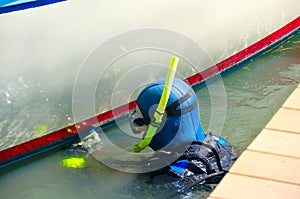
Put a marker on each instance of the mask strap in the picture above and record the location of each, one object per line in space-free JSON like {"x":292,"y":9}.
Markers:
{"x":171,"y":109}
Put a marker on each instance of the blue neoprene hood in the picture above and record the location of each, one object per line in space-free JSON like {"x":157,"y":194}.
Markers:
{"x":181,"y":123}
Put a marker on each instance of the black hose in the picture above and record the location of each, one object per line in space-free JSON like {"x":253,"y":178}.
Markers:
{"x":180,"y":191}
{"x":201,"y":180}
{"x":213,"y":150}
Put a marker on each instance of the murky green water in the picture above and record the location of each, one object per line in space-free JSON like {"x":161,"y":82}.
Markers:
{"x":253,"y":94}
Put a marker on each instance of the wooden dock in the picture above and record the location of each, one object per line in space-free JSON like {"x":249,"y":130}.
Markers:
{"x":270,"y":167}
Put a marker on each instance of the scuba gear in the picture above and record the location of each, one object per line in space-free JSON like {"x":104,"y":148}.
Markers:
{"x":89,"y":141}
{"x":160,"y":109}
{"x":203,"y":162}
{"x":86,"y":145}
{"x":207,"y":156}
{"x":138,"y":122}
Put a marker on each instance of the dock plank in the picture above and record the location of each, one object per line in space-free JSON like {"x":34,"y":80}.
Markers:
{"x":277,"y":142}
{"x":285,"y":120}
{"x":242,"y":187}
{"x":267,"y":166}
{"x":293,"y":101}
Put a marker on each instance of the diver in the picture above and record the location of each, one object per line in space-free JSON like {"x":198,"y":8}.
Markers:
{"x":166,"y":117}
{"x":199,"y":156}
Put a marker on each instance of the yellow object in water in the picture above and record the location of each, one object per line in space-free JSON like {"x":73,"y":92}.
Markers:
{"x":74,"y":162}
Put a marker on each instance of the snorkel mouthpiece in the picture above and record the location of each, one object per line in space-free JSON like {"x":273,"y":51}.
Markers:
{"x":159,"y":113}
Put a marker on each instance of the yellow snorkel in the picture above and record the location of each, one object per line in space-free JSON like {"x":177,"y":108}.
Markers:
{"x":159,"y":113}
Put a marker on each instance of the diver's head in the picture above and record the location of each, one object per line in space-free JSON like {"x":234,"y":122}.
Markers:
{"x":180,"y":123}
